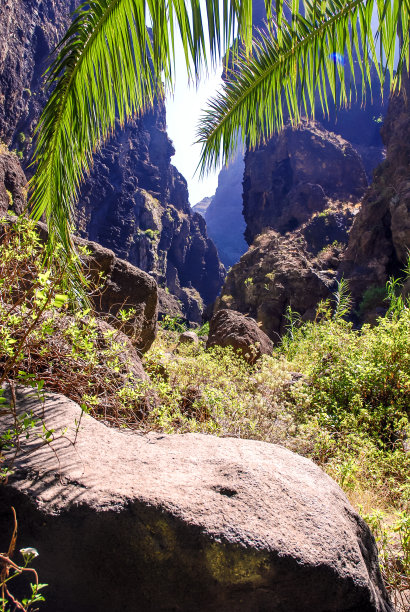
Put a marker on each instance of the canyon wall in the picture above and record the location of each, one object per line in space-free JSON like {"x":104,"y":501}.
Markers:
{"x":135,"y":202}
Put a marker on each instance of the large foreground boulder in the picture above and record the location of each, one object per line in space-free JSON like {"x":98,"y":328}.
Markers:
{"x":231,"y":328}
{"x":126,"y":522}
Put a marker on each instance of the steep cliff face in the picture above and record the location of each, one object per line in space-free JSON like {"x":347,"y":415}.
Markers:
{"x":135,"y":201}
{"x":379,"y":242}
{"x":295,"y":175}
{"x":29,"y":31}
{"x":301,"y":193}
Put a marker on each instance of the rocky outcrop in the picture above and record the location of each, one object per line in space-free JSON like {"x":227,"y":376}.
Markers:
{"x":188,"y":522}
{"x":13,"y":183}
{"x":124,"y":287}
{"x":231,"y":328}
{"x":278,"y":272}
{"x":135,"y":202}
{"x":29,"y":31}
{"x":379,"y":242}
{"x":302,"y":192}
{"x":295,"y":175}
{"x":224,"y":219}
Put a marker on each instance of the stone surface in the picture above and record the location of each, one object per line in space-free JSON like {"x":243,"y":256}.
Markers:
{"x":295,"y":175}
{"x":189,"y":337}
{"x":13,"y":183}
{"x":380,"y":238}
{"x":231,"y":328}
{"x":278,"y":272}
{"x":135,"y":202}
{"x":124,"y":287}
{"x":301,"y":194}
{"x":188,"y":522}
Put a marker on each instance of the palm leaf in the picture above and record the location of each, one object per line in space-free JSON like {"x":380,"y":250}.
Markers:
{"x":111,"y":65}
{"x":299,"y":60}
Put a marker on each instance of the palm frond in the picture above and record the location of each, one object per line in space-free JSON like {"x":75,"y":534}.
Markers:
{"x":111,"y":64}
{"x":299,"y":60}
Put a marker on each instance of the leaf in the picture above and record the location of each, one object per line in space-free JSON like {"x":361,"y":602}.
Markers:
{"x":293,"y":66}
{"x":110,"y":65}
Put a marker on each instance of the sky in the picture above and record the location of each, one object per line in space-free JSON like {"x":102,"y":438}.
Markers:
{"x":183,"y":112}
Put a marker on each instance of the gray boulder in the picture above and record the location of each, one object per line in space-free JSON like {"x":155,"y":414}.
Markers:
{"x":189,"y":337}
{"x":231,"y":328}
{"x":189,"y":522}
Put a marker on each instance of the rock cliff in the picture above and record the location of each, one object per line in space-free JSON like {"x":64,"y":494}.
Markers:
{"x":135,"y":203}
{"x":301,"y":193}
{"x":379,"y":242}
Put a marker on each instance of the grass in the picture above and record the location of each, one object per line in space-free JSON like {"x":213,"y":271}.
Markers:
{"x":335,"y":394}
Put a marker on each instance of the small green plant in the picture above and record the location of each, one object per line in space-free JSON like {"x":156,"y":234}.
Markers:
{"x":204,"y":329}
{"x":174,"y":324}
{"x":393,"y":542}
{"x":10,"y":570}
{"x":249,"y":281}
{"x":21,"y":138}
{"x":151,"y":234}
{"x":372,"y":297}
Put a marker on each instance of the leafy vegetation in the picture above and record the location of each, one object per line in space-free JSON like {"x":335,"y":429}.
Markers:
{"x":10,"y":570}
{"x":335,"y":394}
{"x":308,"y":54}
{"x":111,"y":64}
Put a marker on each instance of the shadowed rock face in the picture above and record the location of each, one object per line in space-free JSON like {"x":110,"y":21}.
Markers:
{"x":29,"y":31}
{"x":295,"y":175}
{"x":380,"y":238}
{"x":188,"y":522}
{"x":135,"y":203}
{"x":301,"y":192}
{"x":13,"y":184}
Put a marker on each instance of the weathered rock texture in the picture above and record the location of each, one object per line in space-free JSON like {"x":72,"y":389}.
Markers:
{"x":13,"y":184}
{"x":135,"y":202}
{"x":29,"y":31}
{"x":301,"y":192}
{"x":230,"y":328}
{"x":190,"y":522}
{"x":295,"y":175}
{"x":379,"y":242}
{"x":275,"y":273}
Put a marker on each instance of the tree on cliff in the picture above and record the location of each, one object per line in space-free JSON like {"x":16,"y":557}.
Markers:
{"x":112,"y":64}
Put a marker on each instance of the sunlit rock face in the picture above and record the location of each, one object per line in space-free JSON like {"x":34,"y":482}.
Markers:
{"x":135,"y":202}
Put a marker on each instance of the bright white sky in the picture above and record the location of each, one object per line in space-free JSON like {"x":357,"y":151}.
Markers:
{"x":183,"y":112}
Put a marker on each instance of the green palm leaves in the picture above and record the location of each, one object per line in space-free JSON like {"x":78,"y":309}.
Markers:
{"x":110,"y":65}
{"x":300,"y":59}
